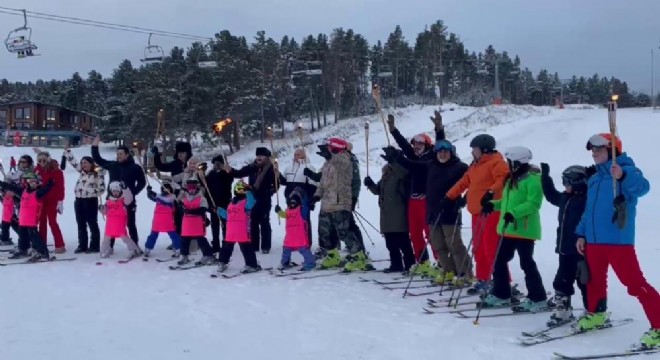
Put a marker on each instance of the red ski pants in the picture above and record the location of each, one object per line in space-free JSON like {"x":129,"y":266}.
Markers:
{"x":626,"y":267}
{"x":484,"y":243}
{"x":48,"y":216}
{"x":417,"y":226}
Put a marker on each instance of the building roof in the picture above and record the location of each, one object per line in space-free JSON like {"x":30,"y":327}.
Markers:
{"x":47,"y":104}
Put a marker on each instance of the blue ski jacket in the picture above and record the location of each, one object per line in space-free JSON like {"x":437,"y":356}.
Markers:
{"x":596,"y":225}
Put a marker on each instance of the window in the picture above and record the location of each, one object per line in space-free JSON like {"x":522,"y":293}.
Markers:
{"x":23,"y":125}
{"x":3,"y":115}
{"x":39,"y":140}
{"x":51,"y":114}
{"x":22,"y":113}
{"x":50,"y":126}
{"x":75,"y":120}
{"x":58,"y":141}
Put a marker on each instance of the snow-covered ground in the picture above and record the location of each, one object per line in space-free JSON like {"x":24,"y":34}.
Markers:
{"x":77,"y":310}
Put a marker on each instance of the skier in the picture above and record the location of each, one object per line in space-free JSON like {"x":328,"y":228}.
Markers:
{"x":444,"y":215}
{"x":237,"y":216}
{"x":420,"y":148}
{"x":519,"y":227}
{"x":334,"y":192}
{"x":296,"y":237}
{"x":571,"y":205}
{"x":483,"y":181}
{"x":294,"y":177}
{"x":610,"y":240}
{"x":8,"y":206}
{"x":53,"y":203}
{"x":25,"y":164}
{"x":356,"y":184}
{"x":89,"y":188}
{"x":12,"y":164}
{"x":32,"y":196}
{"x":393,"y":202}
{"x":219,"y":183}
{"x":193,"y":226}
{"x":124,"y":170}
{"x":261,"y":178}
{"x":163,"y":221}
{"x":116,"y":212}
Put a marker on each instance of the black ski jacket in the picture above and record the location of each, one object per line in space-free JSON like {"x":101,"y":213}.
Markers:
{"x":418,"y":175}
{"x":571,"y":206}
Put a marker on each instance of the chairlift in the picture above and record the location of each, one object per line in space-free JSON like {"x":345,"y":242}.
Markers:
{"x":481,"y":69}
{"x":153,"y":53}
{"x":515,"y":71}
{"x":385,"y":72}
{"x":438,"y":71}
{"x":207,"y":64}
{"x":19,"y":40}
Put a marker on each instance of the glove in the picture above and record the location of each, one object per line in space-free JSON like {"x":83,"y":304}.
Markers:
{"x":368,"y":182}
{"x":277,"y":209}
{"x":316,"y":199}
{"x":487,"y":208}
{"x":461,"y":202}
{"x":324,"y":151}
{"x":620,"y":215}
{"x":312,"y":206}
{"x":508,"y":218}
{"x":307,"y":172}
{"x":154,"y":150}
{"x":354,"y":201}
{"x":390,"y":122}
{"x":149,"y":188}
{"x":391,"y":154}
{"x":151,"y":193}
{"x":545,"y":169}
{"x":583,"y":272}
{"x":437,"y":120}
{"x":207,"y":222}
{"x":101,"y":207}
{"x":51,"y":182}
{"x":443,"y":203}
{"x":60,"y":207}
{"x":590,"y":170}
{"x":488,"y":196}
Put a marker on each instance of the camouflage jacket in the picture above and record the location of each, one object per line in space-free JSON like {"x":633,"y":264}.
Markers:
{"x":335,"y":186}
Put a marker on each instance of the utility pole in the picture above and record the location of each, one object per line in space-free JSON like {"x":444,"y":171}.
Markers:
{"x":498,"y":93}
{"x":652,"y":80}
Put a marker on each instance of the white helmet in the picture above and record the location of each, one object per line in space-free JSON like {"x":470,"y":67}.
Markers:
{"x":115,"y":185}
{"x":518,"y":154}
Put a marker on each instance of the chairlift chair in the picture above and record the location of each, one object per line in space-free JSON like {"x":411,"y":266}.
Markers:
{"x":153,"y":53}
{"x":208,"y":64}
{"x":19,"y":40}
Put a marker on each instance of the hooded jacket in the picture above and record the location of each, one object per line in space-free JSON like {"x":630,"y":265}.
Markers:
{"x":128,"y":171}
{"x":596,"y":225}
{"x":334,"y":190}
{"x":392,"y":199}
{"x":571,"y":207}
{"x":417,"y":176}
{"x":522,"y":197}
{"x":52,"y":172}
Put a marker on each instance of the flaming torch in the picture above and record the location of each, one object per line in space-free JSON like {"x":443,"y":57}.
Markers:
{"x":217,"y":129}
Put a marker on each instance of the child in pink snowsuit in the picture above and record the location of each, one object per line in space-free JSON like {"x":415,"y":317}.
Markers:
{"x":296,"y":238}
{"x":163,"y":221}
{"x":117,"y":219}
{"x":238,"y":229}
{"x":194,"y":223}
{"x":8,"y":218}
{"x":28,"y":215}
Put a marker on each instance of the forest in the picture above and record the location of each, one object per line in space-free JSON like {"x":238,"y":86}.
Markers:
{"x":319,"y":79}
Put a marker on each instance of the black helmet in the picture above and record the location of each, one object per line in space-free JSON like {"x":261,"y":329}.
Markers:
{"x":575,"y":176}
{"x":484,"y":142}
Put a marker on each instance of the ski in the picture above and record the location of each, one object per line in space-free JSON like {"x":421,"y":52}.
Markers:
{"x":393,"y":281}
{"x":166,"y":260}
{"x":513,"y":313}
{"x":402,"y":287}
{"x":456,"y":311}
{"x":628,"y":353}
{"x":448,"y":301}
{"x":127,"y":260}
{"x":535,"y":333}
{"x":228,"y":276}
{"x":25,"y":262}
{"x":179,"y":267}
{"x":544,"y":337}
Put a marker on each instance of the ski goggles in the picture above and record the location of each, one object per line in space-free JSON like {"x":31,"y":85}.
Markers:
{"x":572,"y":181}
{"x":443,"y":145}
{"x":597,"y":141}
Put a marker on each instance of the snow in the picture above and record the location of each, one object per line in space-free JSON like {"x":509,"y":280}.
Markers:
{"x":77,"y":310}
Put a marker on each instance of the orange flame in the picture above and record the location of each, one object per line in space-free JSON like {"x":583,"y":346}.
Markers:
{"x":217,"y":127}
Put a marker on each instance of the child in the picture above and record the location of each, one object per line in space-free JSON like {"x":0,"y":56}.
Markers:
{"x":297,"y":236}
{"x":163,"y":221}
{"x":193,"y":225}
{"x":117,"y":219}
{"x":571,"y":205}
{"x":393,"y":203}
{"x":28,"y":216}
{"x":8,"y":217}
{"x":238,"y":229}
{"x":519,"y":227}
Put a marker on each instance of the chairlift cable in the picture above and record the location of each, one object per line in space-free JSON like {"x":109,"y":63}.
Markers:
{"x":98,"y":24}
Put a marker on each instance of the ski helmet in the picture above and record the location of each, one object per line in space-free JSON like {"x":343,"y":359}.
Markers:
{"x":422,"y":139}
{"x":604,"y":140}
{"x":518,"y":155}
{"x":192,"y":186}
{"x":483,"y":142}
{"x":575,"y":176}
{"x":240,"y":188}
{"x":31,"y":177}
{"x":444,"y":145}
{"x":114,"y":186}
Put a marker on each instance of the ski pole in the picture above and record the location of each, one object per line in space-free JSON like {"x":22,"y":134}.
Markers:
{"x":497,"y":253}
{"x":451,"y":244}
{"x":473,"y":245}
{"x":367,"y":221}
{"x":421,"y":256}
{"x":365,"y":231}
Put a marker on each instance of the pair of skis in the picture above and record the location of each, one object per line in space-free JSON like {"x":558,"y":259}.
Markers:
{"x":235,"y":275}
{"x":26,"y":262}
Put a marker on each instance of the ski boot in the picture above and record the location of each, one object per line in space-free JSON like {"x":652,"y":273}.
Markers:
{"x":563,"y":313}
{"x":287,"y":266}
{"x":481,"y":287}
{"x":176,"y":254}
{"x":444,"y":278}
{"x":36,"y":257}
{"x":332,"y":260}
{"x":421,"y":269}
{"x":651,"y":339}
{"x":390,"y":270}
{"x":265,"y":252}
{"x":205,"y":260}
{"x":320,"y":253}
{"x":251,"y":269}
{"x":184,"y":260}
{"x":530,"y":306}
{"x":359,"y":262}
{"x":6,"y":243}
{"x":146,"y":253}
{"x":462,"y":281}
{"x":79,"y":250}
{"x":307,"y":267}
{"x":491,"y":301}
{"x":592,"y":321}
{"x":19,"y":254}
{"x":222,"y":267}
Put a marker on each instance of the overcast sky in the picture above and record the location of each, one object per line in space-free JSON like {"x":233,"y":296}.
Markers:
{"x":610,"y":37}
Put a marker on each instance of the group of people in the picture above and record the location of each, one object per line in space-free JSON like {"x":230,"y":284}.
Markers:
{"x":422,"y":190}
